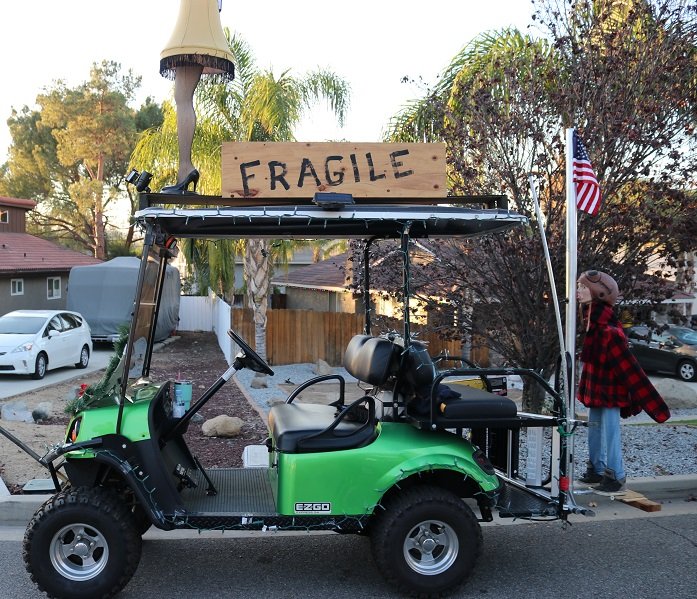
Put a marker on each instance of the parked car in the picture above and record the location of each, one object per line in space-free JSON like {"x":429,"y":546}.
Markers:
{"x":672,"y":351}
{"x":34,"y":341}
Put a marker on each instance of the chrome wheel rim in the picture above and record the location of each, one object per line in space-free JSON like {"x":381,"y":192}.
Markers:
{"x":84,"y":356}
{"x":687,"y":371}
{"x":431,"y":547}
{"x":79,"y":552}
{"x":41,"y":366}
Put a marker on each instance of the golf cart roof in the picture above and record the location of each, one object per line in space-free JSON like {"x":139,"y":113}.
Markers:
{"x":381,"y":219}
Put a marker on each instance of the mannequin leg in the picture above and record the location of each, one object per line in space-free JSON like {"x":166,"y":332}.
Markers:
{"x":185,"y":83}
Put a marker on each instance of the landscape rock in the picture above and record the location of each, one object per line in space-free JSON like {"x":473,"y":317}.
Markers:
{"x":677,"y":394}
{"x":259,"y":382}
{"x":16,"y":411}
{"x":222,"y":426}
{"x":322,"y":368}
{"x":42,"y":411}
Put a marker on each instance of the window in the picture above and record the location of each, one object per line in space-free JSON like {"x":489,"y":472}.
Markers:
{"x":17,"y":287}
{"x":55,"y":324}
{"x":53,"y":287}
{"x":4,"y":217}
{"x":70,"y":321}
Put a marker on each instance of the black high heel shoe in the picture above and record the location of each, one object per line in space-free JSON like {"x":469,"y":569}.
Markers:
{"x":183,"y":187}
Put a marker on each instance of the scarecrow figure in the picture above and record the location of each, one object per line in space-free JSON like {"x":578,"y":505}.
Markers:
{"x":612,"y":384}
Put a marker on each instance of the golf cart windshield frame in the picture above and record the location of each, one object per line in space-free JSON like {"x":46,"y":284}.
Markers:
{"x":163,"y":222}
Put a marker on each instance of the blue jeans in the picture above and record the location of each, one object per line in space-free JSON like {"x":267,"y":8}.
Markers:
{"x":605,"y":442}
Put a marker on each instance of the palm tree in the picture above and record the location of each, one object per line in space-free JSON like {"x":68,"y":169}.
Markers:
{"x":256,"y":106}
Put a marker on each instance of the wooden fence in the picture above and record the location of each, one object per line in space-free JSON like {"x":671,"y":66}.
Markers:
{"x":300,"y":336}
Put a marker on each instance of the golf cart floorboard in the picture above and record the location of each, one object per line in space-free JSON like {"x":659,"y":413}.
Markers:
{"x":240,"y":491}
{"x":514,"y":502}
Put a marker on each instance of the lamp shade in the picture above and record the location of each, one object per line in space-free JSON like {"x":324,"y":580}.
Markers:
{"x":198,"y":39}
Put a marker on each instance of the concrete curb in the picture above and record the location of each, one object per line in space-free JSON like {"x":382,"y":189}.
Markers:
{"x":17,"y":510}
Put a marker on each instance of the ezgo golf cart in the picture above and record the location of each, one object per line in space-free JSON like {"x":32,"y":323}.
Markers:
{"x":418,"y":482}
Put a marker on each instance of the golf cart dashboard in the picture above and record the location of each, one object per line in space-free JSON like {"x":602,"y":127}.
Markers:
{"x":162,"y":409}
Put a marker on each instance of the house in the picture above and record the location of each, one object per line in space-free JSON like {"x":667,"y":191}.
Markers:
{"x":329,"y":286}
{"x":322,"y":286}
{"x":33,"y":271}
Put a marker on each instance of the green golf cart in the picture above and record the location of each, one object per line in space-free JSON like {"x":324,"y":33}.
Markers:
{"x":417,"y":481}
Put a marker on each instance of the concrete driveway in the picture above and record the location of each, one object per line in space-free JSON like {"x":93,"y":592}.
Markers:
{"x":17,"y":384}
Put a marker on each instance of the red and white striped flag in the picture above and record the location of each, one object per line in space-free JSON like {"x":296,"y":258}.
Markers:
{"x":588,"y":196}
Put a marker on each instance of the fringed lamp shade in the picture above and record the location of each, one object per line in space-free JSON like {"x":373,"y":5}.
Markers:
{"x":198,"y":39}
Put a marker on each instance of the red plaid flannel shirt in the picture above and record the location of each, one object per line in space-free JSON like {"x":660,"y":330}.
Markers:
{"x":611,"y":376}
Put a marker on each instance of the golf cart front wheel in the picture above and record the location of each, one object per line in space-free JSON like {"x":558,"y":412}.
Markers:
{"x":82,"y":543}
{"x":426,"y":542}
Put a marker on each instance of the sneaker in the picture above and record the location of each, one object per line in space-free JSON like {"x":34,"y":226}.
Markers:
{"x":610,"y":486}
{"x":590,"y":477}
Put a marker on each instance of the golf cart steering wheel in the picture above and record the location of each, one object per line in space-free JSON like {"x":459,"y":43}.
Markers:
{"x":251,"y":359}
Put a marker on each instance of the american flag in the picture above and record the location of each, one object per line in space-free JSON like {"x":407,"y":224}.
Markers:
{"x":588,"y":196}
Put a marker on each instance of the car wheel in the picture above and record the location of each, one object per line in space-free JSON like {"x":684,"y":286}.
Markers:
{"x":426,"y":541}
{"x":40,"y":366}
{"x":84,"y":357}
{"x":687,"y":371}
{"x":82,"y":543}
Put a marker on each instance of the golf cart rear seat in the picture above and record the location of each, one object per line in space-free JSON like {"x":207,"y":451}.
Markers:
{"x":374,"y":360}
{"x":428,"y":401}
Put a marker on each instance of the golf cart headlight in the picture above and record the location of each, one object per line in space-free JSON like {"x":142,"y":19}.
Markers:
{"x":24,"y":347}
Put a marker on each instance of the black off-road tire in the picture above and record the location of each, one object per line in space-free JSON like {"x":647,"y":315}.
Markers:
{"x":429,"y":529}
{"x":141,"y":520}
{"x":60,"y":532}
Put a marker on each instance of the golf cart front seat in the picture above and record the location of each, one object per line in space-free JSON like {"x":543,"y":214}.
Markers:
{"x":304,"y":428}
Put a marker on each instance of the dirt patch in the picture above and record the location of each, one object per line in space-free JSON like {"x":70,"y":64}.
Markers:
{"x":195,"y":357}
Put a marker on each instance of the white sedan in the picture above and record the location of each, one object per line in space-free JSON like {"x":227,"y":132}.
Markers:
{"x":34,"y":341}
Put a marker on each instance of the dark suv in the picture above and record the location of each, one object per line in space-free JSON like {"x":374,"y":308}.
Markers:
{"x":672,"y":350}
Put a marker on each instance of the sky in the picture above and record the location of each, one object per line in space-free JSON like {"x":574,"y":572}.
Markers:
{"x":371,"y":44}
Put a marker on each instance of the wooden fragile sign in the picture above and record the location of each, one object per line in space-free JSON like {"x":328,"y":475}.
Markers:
{"x":365,"y":170}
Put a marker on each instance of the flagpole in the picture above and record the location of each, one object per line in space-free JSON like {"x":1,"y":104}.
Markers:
{"x":571,"y":275}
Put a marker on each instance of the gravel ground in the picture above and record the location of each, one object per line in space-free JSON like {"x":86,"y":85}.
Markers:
{"x":649,"y":449}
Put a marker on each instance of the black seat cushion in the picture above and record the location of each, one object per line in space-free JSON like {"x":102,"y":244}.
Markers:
{"x":292,"y":424}
{"x":477,"y":404}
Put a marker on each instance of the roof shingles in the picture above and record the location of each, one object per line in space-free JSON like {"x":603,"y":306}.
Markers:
{"x":21,"y":252}
{"x":330,"y":275}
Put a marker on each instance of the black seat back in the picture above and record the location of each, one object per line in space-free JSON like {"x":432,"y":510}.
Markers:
{"x":371,"y":359}
{"x":416,"y":376}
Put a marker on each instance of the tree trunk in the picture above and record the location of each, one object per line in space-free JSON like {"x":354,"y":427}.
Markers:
{"x":99,"y":237}
{"x":129,"y":238}
{"x":533,"y":396}
{"x":257,"y":273}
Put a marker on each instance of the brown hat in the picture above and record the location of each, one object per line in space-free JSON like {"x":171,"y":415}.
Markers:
{"x":602,"y":286}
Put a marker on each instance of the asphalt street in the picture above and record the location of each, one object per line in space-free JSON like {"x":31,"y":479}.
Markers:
{"x":16,"y":384}
{"x":650,"y":557}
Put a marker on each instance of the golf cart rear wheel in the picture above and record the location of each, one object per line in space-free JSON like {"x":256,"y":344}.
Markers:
{"x":82,"y":543}
{"x":426,"y":542}
{"x":687,"y":371}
